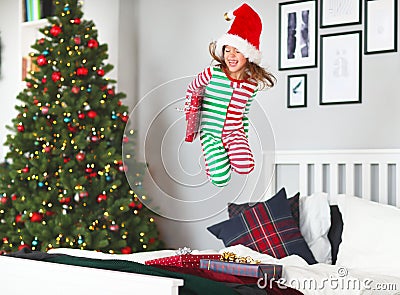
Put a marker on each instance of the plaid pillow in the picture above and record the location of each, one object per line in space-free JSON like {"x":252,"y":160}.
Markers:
{"x":236,"y":209}
{"x":267,"y":227}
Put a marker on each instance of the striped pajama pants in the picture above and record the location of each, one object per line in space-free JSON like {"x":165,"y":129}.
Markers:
{"x":224,"y":154}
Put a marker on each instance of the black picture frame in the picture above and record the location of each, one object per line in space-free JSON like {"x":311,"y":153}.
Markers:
{"x":297,"y":91}
{"x":336,"y":13}
{"x":340,"y":68}
{"x":380,"y":26}
{"x":297,"y":35}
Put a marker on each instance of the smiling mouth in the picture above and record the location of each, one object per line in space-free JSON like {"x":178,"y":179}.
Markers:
{"x":232,"y":63}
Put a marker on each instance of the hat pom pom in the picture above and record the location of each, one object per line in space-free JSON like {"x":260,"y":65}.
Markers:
{"x":229,"y":15}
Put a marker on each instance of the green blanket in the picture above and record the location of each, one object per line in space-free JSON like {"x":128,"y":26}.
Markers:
{"x":192,"y":284}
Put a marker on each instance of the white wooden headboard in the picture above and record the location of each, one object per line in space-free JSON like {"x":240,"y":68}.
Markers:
{"x":372,"y":174}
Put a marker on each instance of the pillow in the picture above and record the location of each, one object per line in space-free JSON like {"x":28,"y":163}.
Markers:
{"x":267,"y":227}
{"x":370,"y":239}
{"x":235,"y":209}
{"x":335,"y":231}
{"x":315,"y":221}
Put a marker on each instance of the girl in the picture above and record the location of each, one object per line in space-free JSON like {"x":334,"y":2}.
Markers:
{"x":230,"y":87}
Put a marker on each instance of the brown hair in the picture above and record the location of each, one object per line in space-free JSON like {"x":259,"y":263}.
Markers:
{"x":264,"y":78}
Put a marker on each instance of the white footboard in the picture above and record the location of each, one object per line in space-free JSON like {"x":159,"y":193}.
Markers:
{"x":24,"y":276}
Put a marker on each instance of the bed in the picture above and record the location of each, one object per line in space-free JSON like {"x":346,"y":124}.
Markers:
{"x":363,"y":186}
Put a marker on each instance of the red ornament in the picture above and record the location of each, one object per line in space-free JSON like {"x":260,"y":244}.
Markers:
{"x":71,"y":128}
{"x":94,"y":138}
{"x":41,"y":60}
{"x":45,"y":110}
{"x":152,"y":240}
{"x":65,"y":200}
{"x":36,"y":217}
{"x":66,"y":160}
{"x":14,"y":197}
{"x":125,"y":118}
{"x":25,"y":169}
{"x":18,"y":218}
{"x":20,"y":247}
{"x":114,"y":227}
{"x":20,"y":128}
{"x":29,"y":85}
{"x":77,"y":21}
{"x":126,"y":250}
{"x":80,"y":156}
{"x":55,"y":30}
{"x":40,"y":41}
{"x":44,"y":80}
{"x":101,"y":197}
{"x":83,"y":194}
{"x":123,"y":168}
{"x":75,"y":89}
{"x":100,"y":72}
{"x":82,"y":71}
{"x":111,"y":91}
{"x":134,"y":205}
{"x":125,"y":139}
{"x":92,"y":43}
{"x":77,"y":40}
{"x":47,"y":149}
{"x":81,"y":116}
{"x":92,"y":114}
{"x":56,"y":76}
{"x":89,"y":170}
{"x":3,"y":200}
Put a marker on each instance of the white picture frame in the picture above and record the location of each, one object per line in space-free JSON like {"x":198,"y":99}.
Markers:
{"x":297,"y":35}
{"x":336,"y":13}
{"x":340,"y":70}
{"x":380,"y":27}
{"x":297,"y":91}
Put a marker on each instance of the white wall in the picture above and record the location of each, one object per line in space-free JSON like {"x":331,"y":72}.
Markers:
{"x":173,"y":43}
{"x":157,"y":46}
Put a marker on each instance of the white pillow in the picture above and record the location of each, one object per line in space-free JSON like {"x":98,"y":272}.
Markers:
{"x":315,"y":221}
{"x":370,"y":238}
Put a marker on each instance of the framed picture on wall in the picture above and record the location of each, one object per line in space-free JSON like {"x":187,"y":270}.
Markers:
{"x":297,"y":91}
{"x":380,"y":27}
{"x":297,"y":35}
{"x":340,"y":70}
{"x":336,"y":13}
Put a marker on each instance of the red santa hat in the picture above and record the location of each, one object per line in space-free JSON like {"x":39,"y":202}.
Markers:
{"x":244,"y":33}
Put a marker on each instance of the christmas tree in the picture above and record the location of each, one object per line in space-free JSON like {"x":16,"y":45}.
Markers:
{"x":65,"y":183}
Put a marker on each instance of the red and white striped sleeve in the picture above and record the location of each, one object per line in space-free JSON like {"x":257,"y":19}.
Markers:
{"x":201,"y":80}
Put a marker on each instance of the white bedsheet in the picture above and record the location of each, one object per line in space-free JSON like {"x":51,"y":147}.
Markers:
{"x":309,"y":279}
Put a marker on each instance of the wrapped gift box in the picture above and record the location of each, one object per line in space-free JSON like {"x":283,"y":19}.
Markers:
{"x":193,"y":114}
{"x":185,"y":260}
{"x":268,"y":271}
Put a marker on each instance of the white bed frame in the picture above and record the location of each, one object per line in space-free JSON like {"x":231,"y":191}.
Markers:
{"x":372,"y":174}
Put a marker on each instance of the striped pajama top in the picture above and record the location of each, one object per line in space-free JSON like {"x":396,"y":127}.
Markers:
{"x":226,"y":101}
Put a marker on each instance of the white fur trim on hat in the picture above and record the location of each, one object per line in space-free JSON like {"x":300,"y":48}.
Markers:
{"x":248,"y":50}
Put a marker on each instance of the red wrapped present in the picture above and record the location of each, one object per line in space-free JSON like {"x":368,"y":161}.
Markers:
{"x":185,"y":260}
{"x":193,"y":114}
{"x":267,"y":271}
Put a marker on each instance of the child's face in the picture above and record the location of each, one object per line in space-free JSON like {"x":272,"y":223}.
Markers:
{"x":235,"y":61}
